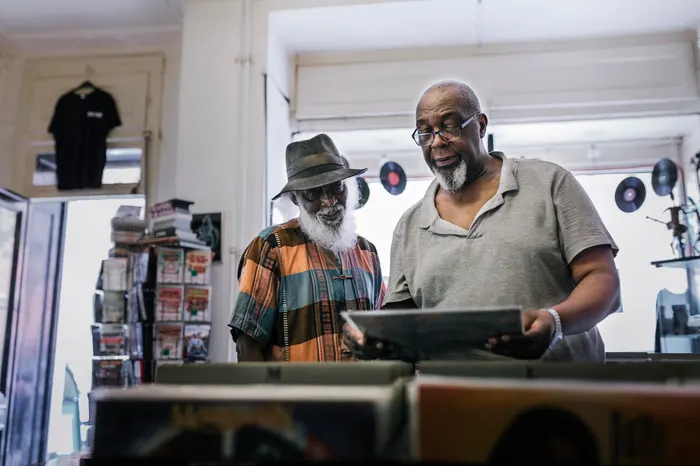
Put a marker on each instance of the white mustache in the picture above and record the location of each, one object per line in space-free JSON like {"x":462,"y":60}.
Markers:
{"x":330,"y":211}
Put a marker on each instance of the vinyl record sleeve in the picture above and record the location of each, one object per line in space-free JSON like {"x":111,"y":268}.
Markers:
{"x":251,"y":422}
{"x":496,"y":422}
{"x":439,"y":333}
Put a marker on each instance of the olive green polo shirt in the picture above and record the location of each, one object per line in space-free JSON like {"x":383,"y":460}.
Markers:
{"x":516,"y":253}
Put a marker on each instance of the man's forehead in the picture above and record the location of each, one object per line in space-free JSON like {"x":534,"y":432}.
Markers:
{"x":440,"y":101}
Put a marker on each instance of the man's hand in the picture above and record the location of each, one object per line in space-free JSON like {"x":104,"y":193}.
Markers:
{"x":356,"y":342}
{"x":539,"y":330}
{"x":368,"y":348}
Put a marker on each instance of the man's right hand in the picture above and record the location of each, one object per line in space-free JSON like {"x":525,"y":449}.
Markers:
{"x":369,"y":348}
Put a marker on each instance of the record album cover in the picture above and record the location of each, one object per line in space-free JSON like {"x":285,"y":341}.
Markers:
{"x":169,"y":302}
{"x":245,"y":423}
{"x":197,"y":342}
{"x":439,"y":333}
{"x":197,"y":267}
{"x":197,"y":304}
{"x":171,"y":265}
{"x":505,"y":422}
{"x":168,"y":339}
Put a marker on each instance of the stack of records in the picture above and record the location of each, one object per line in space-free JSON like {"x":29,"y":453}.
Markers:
{"x":173,"y":219}
{"x":128,"y":228}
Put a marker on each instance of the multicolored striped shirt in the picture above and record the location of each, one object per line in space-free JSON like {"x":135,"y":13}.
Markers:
{"x":291,"y":293}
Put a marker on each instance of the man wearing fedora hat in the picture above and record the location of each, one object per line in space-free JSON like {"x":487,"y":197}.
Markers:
{"x":296,"y":278}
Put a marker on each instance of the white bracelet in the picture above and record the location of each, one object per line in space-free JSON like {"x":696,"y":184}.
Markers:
{"x":558,"y":333}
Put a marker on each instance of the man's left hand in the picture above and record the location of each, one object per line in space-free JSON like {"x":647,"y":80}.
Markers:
{"x":539,"y":329}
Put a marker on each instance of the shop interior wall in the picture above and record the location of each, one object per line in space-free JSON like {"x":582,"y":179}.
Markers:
{"x":637,"y":76}
{"x":11,"y":67}
{"x":322,"y":96}
{"x":20,"y":126}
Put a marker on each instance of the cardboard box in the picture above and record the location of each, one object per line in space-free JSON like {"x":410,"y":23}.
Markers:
{"x":539,"y":422}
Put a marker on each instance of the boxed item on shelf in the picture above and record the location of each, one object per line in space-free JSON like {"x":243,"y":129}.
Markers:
{"x":169,"y":302}
{"x":168,"y":340}
{"x":110,"y":373}
{"x":196,"y":346}
{"x":492,"y":421}
{"x":197,"y":267}
{"x":247,"y":423}
{"x":197,"y":304}
{"x":171,"y":265}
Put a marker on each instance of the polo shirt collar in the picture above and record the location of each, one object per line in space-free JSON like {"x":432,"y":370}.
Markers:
{"x":428,"y":212}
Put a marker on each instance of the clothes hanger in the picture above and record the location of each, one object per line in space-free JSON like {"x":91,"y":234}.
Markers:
{"x":86,"y":87}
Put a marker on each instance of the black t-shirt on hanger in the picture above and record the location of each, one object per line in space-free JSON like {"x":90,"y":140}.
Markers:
{"x":80,"y":126}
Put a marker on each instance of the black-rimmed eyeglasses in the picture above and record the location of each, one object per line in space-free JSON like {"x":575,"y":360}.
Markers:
{"x":447,"y":134}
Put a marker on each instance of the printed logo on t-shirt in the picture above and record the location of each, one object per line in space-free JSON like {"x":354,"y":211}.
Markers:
{"x":94,"y":114}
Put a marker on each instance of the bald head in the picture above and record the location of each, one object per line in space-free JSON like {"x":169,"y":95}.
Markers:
{"x":450,"y":128}
{"x":466,"y":98}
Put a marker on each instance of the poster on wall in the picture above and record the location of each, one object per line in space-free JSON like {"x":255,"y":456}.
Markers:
{"x":207,"y":227}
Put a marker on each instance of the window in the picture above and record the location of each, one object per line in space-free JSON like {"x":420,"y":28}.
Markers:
{"x":641,"y":241}
{"x":123,"y":167}
{"x":378,"y":218}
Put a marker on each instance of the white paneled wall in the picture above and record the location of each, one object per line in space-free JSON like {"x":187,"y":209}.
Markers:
{"x":548,"y":85}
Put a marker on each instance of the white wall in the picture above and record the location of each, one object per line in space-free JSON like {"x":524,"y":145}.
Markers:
{"x":15,"y":76}
{"x":574,"y":80}
{"x":11,"y":67}
{"x":690,"y":147}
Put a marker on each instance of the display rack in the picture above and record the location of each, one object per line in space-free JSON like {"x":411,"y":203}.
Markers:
{"x":152,"y":307}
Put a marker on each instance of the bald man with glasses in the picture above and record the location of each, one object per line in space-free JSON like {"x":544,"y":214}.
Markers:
{"x":494,"y":231}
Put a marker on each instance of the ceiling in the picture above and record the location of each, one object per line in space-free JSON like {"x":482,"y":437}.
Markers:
{"x":431,"y":23}
{"x":27,"y":18}
{"x":381,"y":25}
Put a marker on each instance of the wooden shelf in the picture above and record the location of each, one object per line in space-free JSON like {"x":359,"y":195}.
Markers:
{"x":172,"y":242}
{"x":682,"y":263}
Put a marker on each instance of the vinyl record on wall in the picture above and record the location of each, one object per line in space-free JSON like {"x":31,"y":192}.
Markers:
{"x":664,"y":177}
{"x":630,"y":194}
{"x":364,"y":192}
{"x":393,"y":178}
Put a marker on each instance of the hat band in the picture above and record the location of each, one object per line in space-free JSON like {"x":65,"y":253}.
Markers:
{"x":314,"y":160}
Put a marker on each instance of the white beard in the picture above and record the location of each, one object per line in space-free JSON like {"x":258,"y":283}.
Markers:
{"x":454,"y":179}
{"x":337,"y":237}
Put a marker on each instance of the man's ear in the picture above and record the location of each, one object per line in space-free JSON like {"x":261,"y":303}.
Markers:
{"x":483,"y":124}
{"x":293,"y":198}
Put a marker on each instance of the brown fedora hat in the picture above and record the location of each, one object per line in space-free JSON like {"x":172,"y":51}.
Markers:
{"x":313,"y":163}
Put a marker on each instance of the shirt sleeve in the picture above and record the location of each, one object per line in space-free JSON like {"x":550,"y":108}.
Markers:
{"x":579,"y":224}
{"x":398,"y":286}
{"x":112,"y":118}
{"x":379,"y":285}
{"x":256,"y":307}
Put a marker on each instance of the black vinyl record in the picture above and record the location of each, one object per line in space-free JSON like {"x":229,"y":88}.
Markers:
{"x":393,"y":178}
{"x":664,"y":177}
{"x":364,"y":192}
{"x":630,"y":194}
